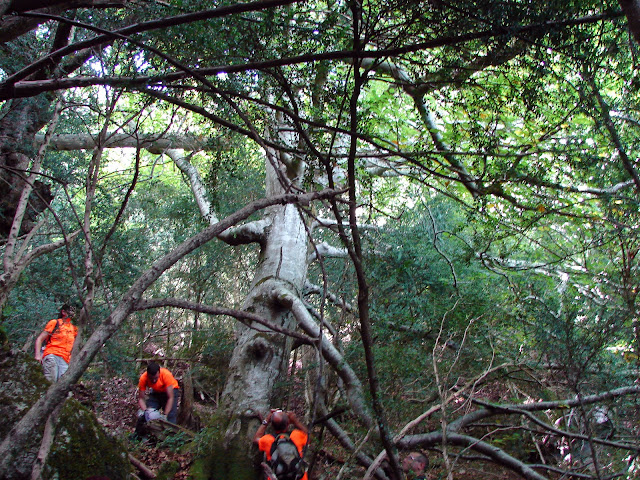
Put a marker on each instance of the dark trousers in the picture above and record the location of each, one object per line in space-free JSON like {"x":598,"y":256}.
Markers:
{"x":158,"y":401}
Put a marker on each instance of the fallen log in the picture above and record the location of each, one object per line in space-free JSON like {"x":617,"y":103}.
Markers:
{"x":144,"y":470}
{"x":175,"y":427}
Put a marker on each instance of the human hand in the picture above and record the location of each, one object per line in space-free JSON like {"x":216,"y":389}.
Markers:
{"x":163,"y":417}
{"x":270,"y":414}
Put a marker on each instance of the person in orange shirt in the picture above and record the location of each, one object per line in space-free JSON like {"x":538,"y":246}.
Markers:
{"x":280,"y":421}
{"x":58,"y":337}
{"x":165,"y":392}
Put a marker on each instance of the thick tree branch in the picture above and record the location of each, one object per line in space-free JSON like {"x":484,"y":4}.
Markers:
{"x":48,"y":437}
{"x":153,"y":143}
{"x":145,"y":27}
{"x":496,"y":454}
{"x":491,"y":452}
{"x":197,"y":188}
{"x":347,"y":443}
{"x":540,"y":406}
{"x":173,"y":146}
{"x":16,"y":87}
{"x":246,"y":318}
{"x":253,"y":232}
{"x":410,"y":87}
{"x":563,"y":433}
{"x":12,"y":25}
{"x":19,"y":6}
{"x":48,"y":248}
{"x":452,"y":436}
{"x":435,"y":408}
{"x":325,"y":250}
{"x":352,"y":383}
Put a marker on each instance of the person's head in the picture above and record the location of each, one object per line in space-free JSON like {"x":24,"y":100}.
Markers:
{"x":280,"y":421}
{"x":66,"y":310}
{"x":153,"y":372}
{"x":415,"y":463}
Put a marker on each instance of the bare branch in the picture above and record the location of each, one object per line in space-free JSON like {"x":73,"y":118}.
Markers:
{"x":347,"y":443}
{"x":493,"y":409}
{"x":16,"y":87}
{"x":317,"y":289}
{"x":197,"y":188}
{"x":330,"y":353}
{"x":48,"y":248}
{"x":139,"y":28}
{"x":325,"y":250}
{"x":151,"y":142}
{"x":613,"y":133}
{"x":246,"y":318}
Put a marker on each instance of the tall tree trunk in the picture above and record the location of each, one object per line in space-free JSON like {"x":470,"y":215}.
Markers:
{"x":261,"y":358}
{"x":23,"y":118}
{"x":22,"y":196}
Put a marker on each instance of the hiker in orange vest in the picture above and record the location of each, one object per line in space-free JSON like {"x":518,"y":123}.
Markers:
{"x":164,"y":395}
{"x":58,"y":338}
{"x":299,"y":436}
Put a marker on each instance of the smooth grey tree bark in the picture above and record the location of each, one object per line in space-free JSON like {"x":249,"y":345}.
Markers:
{"x":261,"y":358}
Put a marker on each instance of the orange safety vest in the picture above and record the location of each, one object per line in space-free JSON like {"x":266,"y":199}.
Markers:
{"x":165,"y":379}
{"x":62,"y":334}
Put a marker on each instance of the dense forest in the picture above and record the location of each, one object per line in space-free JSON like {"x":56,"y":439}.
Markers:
{"x":412,"y":223}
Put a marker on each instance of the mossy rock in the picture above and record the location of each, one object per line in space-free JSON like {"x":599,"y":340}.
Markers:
{"x":168,"y":470}
{"x":22,"y":383}
{"x":80,"y":449}
{"x":220,"y":458}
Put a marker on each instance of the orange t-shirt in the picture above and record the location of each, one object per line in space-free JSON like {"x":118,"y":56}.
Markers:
{"x":298,"y":437}
{"x":165,"y":380}
{"x":61,"y":342}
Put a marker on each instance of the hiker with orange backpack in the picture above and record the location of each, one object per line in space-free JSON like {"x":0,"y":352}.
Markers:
{"x":58,"y":338}
{"x":283,"y":451}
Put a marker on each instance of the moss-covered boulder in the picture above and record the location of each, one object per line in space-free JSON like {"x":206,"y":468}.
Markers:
{"x":217,"y":458}
{"x":81,"y":448}
{"x":21,"y":384}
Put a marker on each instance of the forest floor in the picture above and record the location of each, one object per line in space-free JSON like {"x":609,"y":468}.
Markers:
{"x":114,"y":402}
